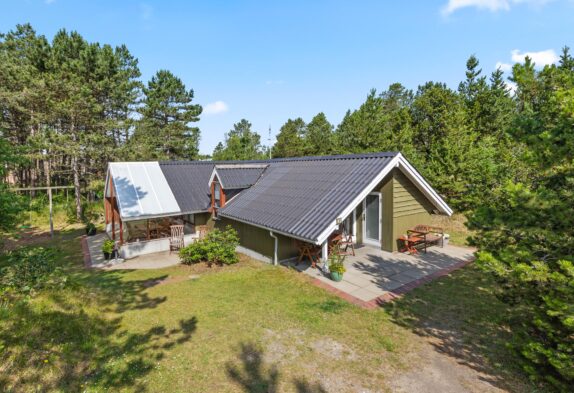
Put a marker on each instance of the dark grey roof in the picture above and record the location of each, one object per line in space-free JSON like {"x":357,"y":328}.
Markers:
{"x":302,"y":196}
{"x":239,"y":177}
{"x":188,"y":181}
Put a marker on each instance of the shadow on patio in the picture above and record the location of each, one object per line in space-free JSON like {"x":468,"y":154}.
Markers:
{"x":373,"y":273}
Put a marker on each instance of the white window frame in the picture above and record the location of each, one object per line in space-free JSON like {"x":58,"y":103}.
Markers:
{"x":366,"y":240}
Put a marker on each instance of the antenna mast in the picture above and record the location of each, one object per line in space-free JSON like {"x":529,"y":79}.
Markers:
{"x":269,"y":141}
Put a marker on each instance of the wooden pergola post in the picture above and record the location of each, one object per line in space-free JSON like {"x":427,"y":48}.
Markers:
{"x":121,"y":231}
{"x":113,"y":208}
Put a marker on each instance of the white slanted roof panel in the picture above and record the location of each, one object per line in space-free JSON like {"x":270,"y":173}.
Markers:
{"x":142,"y":190}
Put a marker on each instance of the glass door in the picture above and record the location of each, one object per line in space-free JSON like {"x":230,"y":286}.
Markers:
{"x":372,"y":221}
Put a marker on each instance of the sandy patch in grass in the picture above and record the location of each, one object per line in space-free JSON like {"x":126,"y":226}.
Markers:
{"x":325,"y":364}
{"x":439,"y":373}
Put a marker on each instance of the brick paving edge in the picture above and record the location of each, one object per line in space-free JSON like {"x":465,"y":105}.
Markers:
{"x":395,"y":294}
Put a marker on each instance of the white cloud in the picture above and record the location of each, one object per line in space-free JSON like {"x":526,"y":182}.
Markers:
{"x":541,"y":58}
{"x":511,"y":87}
{"x":505,"y":67}
{"x":215,"y":108}
{"x":146,"y":11}
{"x":489,"y":5}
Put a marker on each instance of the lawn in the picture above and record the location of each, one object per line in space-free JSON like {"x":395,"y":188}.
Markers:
{"x":454,"y":226}
{"x":249,"y":327}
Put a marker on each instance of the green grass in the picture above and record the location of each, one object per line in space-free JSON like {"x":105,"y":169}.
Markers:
{"x":248,"y":327}
{"x":461,"y":316}
{"x":454,"y":226}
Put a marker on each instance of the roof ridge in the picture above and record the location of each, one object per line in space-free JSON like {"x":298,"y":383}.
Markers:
{"x":383,"y":154}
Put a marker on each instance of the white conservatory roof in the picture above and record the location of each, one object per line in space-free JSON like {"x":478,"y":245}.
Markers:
{"x":141,"y":190}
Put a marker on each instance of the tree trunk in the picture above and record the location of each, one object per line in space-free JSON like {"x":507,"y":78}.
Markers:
{"x":49,"y":184}
{"x":76,"y":171}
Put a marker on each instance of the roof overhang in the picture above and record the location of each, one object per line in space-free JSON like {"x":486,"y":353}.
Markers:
{"x":214,"y":175}
{"x":401,"y":163}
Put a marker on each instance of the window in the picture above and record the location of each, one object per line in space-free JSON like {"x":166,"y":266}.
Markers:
{"x":217,"y":194}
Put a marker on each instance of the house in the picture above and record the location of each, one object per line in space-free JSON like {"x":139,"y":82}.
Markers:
{"x":271,"y":203}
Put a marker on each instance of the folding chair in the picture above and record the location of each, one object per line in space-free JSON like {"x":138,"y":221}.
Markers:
{"x":176,"y":239}
{"x":346,"y":242}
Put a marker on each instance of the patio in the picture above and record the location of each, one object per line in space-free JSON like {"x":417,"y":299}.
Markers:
{"x":374,"y":276}
{"x":94,"y":257}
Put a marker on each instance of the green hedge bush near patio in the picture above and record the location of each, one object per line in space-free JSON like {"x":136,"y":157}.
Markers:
{"x":217,"y":247}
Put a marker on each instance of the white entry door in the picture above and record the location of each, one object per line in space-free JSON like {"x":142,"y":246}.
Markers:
{"x":372,"y":219}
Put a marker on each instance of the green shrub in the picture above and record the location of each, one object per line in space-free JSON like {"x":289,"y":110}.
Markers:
{"x":90,"y":228}
{"x":29,"y":270}
{"x":193,"y":253}
{"x":108,"y":246}
{"x":217,"y":247}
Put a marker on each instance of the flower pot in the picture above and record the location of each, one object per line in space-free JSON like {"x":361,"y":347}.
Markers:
{"x":336,"y":276}
{"x":107,"y":256}
{"x":90,"y":231}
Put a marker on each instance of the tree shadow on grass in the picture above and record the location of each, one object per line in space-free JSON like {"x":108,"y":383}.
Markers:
{"x":253,"y":376}
{"x":74,"y":338}
{"x":464,"y":320}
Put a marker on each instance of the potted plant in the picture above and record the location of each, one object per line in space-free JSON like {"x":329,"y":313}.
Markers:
{"x":90,"y":229}
{"x":108,"y":249}
{"x":336,"y":266}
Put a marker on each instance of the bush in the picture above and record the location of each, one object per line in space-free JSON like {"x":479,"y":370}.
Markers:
{"x":217,"y":247}
{"x":90,"y":229}
{"x":108,"y":246}
{"x":29,"y":270}
{"x":194,"y":253}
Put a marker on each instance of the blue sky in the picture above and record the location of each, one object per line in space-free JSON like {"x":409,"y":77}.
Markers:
{"x":268,"y":61}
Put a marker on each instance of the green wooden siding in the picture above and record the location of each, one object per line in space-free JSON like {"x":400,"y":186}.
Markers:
{"x":387,"y":219}
{"x":259,"y":240}
{"x":403,"y":206}
{"x":410,"y":206}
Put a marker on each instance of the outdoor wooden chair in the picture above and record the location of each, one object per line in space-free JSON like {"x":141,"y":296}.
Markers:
{"x":345,"y":243}
{"x":309,"y":251}
{"x":176,"y":239}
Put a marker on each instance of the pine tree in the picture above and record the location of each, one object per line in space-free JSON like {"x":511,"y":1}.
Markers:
{"x":291,"y":139}
{"x":164,"y":131}
{"x":241,"y":143}
{"x":319,"y":136}
{"x":360,"y":130}
{"x":525,"y":230}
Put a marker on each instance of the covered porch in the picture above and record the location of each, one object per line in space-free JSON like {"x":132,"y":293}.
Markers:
{"x":374,"y":275}
{"x":142,"y":216}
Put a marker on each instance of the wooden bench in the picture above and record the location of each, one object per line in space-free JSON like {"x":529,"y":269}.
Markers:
{"x":423,"y":235}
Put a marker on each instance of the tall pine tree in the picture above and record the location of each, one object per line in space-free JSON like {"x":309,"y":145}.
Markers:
{"x":319,"y":136}
{"x":291,"y":139}
{"x":241,"y":143}
{"x":164,"y":131}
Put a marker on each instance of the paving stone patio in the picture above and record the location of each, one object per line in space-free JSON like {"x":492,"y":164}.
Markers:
{"x":95,"y":258}
{"x":373,"y":274}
